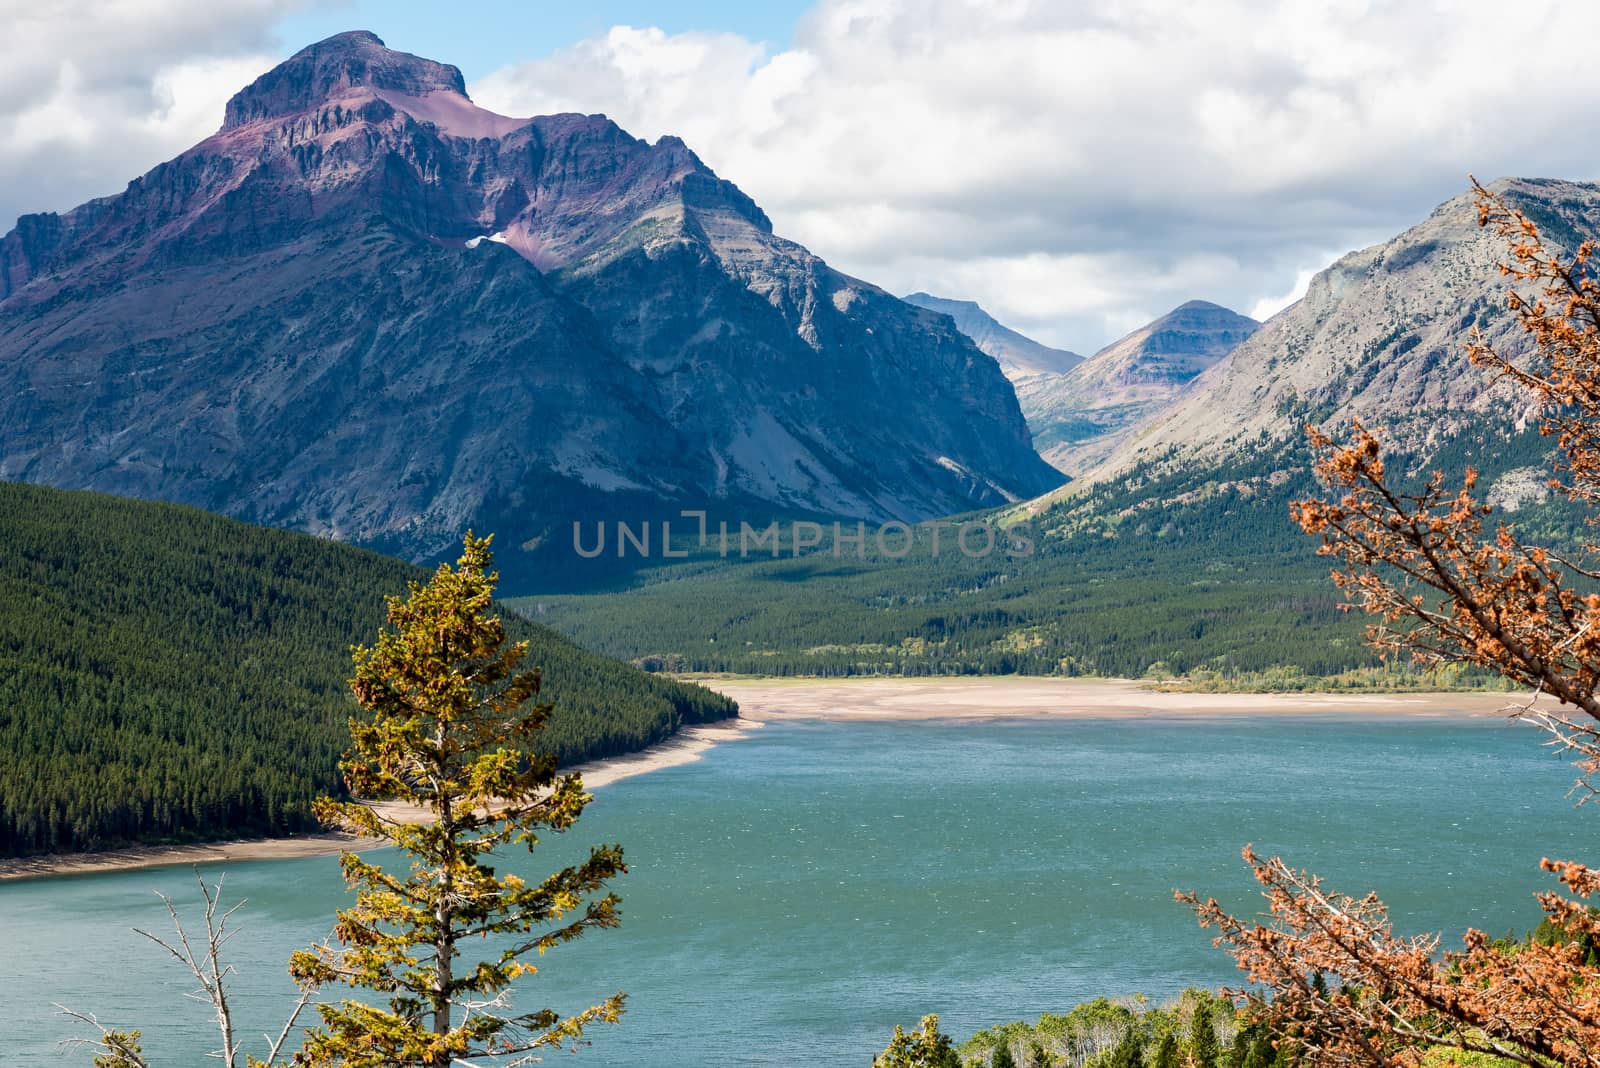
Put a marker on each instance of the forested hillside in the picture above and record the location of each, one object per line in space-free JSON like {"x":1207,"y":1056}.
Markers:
{"x":1149,"y":573}
{"x":169,"y":674}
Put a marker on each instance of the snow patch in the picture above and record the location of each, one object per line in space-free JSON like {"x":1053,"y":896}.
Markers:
{"x":499,"y":239}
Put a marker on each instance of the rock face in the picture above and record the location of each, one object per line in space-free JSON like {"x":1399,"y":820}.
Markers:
{"x":367,"y":308}
{"x":1380,"y":335}
{"x":1081,"y":417}
{"x":1018,"y":355}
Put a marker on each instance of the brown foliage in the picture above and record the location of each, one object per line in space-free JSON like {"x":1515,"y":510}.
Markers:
{"x":1394,"y":997}
{"x":1445,"y":588}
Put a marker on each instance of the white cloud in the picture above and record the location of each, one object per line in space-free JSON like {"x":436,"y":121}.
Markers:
{"x":1077,"y":165}
{"x":93,"y":94}
{"x":1267,"y":307}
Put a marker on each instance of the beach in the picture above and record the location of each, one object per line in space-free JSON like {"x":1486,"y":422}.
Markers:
{"x":764,"y":700}
{"x":1009,"y":696}
{"x":682,"y":748}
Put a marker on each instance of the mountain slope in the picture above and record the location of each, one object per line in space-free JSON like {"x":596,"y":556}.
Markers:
{"x":368,"y":308}
{"x":1081,"y":417}
{"x":1018,"y":355}
{"x":168,"y":674}
{"x":1380,"y":335}
{"x":1178,"y":555}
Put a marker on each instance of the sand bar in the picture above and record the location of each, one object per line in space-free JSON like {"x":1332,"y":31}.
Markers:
{"x":868,"y":699}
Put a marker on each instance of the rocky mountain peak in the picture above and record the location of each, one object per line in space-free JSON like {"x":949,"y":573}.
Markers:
{"x":1080,"y":417}
{"x":1381,"y":336}
{"x":510,"y":322}
{"x":329,"y":68}
{"x":1177,"y":346}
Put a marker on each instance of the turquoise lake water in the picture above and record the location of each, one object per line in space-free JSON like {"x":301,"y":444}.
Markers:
{"x":797,"y":893}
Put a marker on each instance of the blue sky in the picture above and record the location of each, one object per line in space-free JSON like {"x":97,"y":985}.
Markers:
{"x":491,"y":34}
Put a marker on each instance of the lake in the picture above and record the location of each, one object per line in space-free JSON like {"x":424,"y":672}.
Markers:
{"x":797,"y":893}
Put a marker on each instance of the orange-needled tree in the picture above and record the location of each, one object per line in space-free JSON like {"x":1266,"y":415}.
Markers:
{"x":1448,"y":583}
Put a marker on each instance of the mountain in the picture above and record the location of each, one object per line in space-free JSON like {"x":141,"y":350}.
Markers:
{"x":1018,"y":356}
{"x":369,"y":309}
{"x":1381,"y":335}
{"x":169,"y":674}
{"x":1177,"y":554}
{"x":1081,"y":417}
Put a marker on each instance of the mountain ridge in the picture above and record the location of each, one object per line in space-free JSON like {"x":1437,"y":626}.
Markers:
{"x":511,"y":321}
{"x":1380,"y":335}
{"x":1081,"y":417}
{"x":1018,"y":355}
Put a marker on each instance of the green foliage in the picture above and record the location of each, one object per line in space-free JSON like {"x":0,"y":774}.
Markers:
{"x":453,"y":729}
{"x":1002,"y":1057}
{"x":1166,"y":1055}
{"x":926,"y":1047}
{"x":1209,"y":581}
{"x":1129,"y":1053}
{"x":1204,"y":1050}
{"x":1126,"y":1033}
{"x":122,"y":1050}
{"x":170,"y":675}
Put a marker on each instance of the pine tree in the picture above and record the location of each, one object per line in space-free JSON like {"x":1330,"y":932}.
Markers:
{"x":1261,"y":1053}
{"x":453,"y":729}
{"x":1129,"y":1053}
{"x":1002,"y":1057}
{"x":1167,"y":1054}
{"x":1239,"y":1052}
{"x":1203,"y":1046}
{"x":926,"y":1047}
{"x":1037,"y":1057}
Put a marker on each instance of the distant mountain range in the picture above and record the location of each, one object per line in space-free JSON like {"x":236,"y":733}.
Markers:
{"x":1018,"y":356}
{"x":1081,"y":417}
{"x":1381,"y":335}
{"x":1080,"y":410}
{"x":369,"y":309}
{"x":1173,"y":552}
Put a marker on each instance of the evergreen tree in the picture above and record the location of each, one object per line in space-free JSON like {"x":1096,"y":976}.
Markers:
{"x":1002,"y":1057}
{"x":175,"y":676}
{"x":1239,"y":1052}
{"x":1261,"y":1053}
{"x":1037,"y":1057}
{"x":1167,"y":1054}
{"x":453,"y":730}
{"x":1203,"y":1046}
{"x":926,"y":1047}
{"x":1129,"y":1053}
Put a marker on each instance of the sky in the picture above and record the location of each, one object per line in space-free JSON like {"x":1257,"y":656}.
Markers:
{"x":1078,"y":168}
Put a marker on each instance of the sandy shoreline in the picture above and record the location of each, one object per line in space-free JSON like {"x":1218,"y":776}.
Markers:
{"x":685,"y":747}
{"x":839,"y":700}
{"x":878,"y":699}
